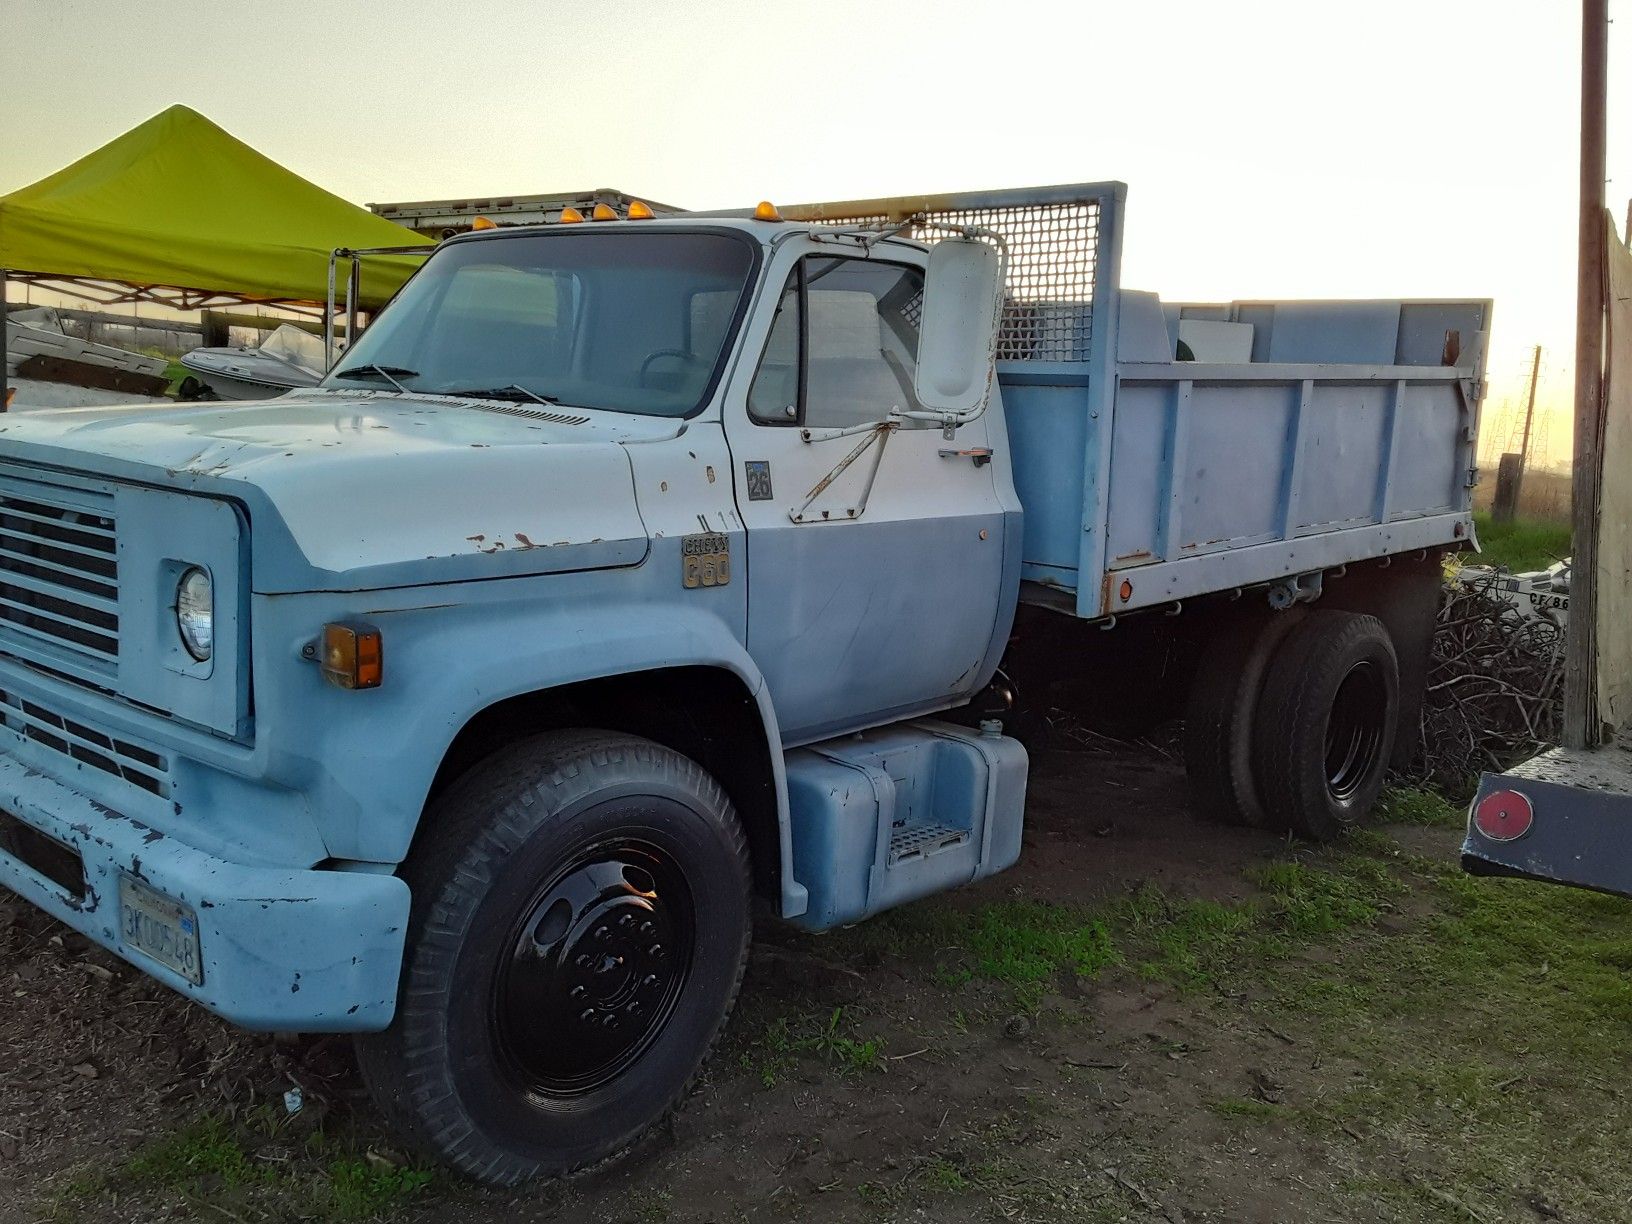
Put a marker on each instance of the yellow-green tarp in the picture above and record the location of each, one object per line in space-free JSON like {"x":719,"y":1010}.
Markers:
{"x":179,"y":202}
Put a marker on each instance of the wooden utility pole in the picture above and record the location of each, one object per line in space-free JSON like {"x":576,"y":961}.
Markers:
{"x":1582,"y":725}
{"x":1530,"y":412}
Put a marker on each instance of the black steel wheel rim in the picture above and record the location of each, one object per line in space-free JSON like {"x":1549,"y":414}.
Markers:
{"x":593,"y":969}
{"x":1354,"y":731}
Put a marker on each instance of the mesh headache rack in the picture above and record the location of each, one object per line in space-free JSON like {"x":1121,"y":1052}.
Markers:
{"x":1063,"y":244}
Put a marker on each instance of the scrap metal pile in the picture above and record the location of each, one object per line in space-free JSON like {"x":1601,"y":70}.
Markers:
{"x":1495,"y":687}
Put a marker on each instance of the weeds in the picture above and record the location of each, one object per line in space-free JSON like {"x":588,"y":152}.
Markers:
{"x":1190,"y":941}
{"x":358,"y":1190}
{"x":214,"y":1164}
{"x":782,"y":1043}
{"x":1250,"y":1109}
{"x":1520,"y":545}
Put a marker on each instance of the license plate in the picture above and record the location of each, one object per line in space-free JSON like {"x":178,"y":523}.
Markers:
{"x":158,"y":927}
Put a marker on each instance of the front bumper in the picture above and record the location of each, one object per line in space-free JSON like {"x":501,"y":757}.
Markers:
{"x":281,"y":948}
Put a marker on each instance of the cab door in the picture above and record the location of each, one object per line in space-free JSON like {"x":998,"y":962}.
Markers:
{"x":875,"y":554}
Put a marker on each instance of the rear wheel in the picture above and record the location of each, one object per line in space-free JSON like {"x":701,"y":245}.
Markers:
{"x":1325,"y":724}
{"x":579,"y":929}
{"x":1220,"y":716}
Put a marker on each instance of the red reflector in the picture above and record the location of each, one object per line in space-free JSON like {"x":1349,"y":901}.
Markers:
{"x":1503,"y":815}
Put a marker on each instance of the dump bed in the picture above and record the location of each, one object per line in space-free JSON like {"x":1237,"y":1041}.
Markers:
{"x":1165,"y":451}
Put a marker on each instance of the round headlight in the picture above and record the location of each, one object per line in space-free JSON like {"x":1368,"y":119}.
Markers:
{"x":195,"y":613}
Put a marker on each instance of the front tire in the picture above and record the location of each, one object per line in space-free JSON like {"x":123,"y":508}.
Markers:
{"x":579,"y":929}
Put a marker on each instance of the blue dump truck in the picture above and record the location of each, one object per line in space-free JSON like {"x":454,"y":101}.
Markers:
{"x":628,"y":574}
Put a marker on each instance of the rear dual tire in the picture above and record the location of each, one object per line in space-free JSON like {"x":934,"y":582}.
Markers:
{"x":1325,"y":726}
{"x":1291,"y":722}
{"x":1219,"y":720}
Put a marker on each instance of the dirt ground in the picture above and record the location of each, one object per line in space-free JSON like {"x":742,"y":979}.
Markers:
{"x":1149,"y":1018}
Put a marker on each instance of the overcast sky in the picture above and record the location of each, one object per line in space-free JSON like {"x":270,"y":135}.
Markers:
{"x":1273,"y":148}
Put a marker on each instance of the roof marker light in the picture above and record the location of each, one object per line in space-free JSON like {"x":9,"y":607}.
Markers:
{"x":639,"y":211}
{"x":602,"y":212}
{"x":766,"y":211}
{"x":570,"y":215}
{"x":484,"y":223}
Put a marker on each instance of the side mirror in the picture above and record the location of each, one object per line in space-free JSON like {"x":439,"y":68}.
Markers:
{"x":957,"y":338}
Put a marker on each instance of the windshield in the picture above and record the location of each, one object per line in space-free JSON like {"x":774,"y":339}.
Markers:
{"x":622,"y":320}
{"x":296,"y":346}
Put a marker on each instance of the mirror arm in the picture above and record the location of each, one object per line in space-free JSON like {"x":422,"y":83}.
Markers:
{"x":893,"y":421}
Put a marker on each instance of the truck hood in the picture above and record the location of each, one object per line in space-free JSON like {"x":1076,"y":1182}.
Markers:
{"x":368,"y":490}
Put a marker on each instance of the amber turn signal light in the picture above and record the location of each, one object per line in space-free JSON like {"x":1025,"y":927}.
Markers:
{"x":352,"y":656}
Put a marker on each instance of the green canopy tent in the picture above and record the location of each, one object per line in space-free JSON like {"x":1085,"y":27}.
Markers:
{"x":178,"y":211}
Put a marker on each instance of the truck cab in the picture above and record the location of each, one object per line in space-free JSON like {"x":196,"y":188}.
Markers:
{"x":637,"y":504}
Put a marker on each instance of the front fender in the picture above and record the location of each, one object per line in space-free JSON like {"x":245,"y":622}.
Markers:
{"x":365,"y":760}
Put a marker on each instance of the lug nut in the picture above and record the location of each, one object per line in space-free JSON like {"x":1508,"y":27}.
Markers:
{"x":578,"y":992}
{"x":655,"y":951}
{"x":647,"y":928}
{"x":610,"y":1020}
{"x":627,"y":920}
{"x":603,"y":932}
{"x":582,"y":960}
{"x":649,"y":980}
{"x":587,"y":1016}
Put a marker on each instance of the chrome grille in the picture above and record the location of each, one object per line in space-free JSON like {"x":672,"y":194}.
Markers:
{"x":59,"y":569}
{"x":40,"y":724}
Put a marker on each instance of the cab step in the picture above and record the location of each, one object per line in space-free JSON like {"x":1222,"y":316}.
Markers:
{"x":887,"y":816}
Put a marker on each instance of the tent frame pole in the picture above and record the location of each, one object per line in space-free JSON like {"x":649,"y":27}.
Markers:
{"x":5,"y":341}
{"x":328,"y":315}
{"x":354,"y":298}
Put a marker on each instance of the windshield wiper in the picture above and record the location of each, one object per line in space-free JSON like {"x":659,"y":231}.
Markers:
{"x":506,"y":392}
{"x":388,"y":372}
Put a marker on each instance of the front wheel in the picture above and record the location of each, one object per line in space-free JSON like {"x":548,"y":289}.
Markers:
{"x":579,"y":929}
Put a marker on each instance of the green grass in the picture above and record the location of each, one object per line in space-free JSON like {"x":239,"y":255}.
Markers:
{"x":1521,"y":545}
{"x":220,"y":1166}
{"x":945,"y":1176}
{"x":1031,"y":946}
{"x":359,"y":1191}
{"x":1249,"y":1109}
{"x":206,"y":1149}
{"x":1412,"y":806}
{"x":1485,"y":1024}
{"x":174,"y":371}
{"x":830,"y":1040}
{"x":1023,"y":945}
{"x":1183,"y":942}
{"x":1029,"y":943}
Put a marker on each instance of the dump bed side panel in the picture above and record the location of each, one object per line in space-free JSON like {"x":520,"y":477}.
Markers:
{"x":1230,"y":475}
